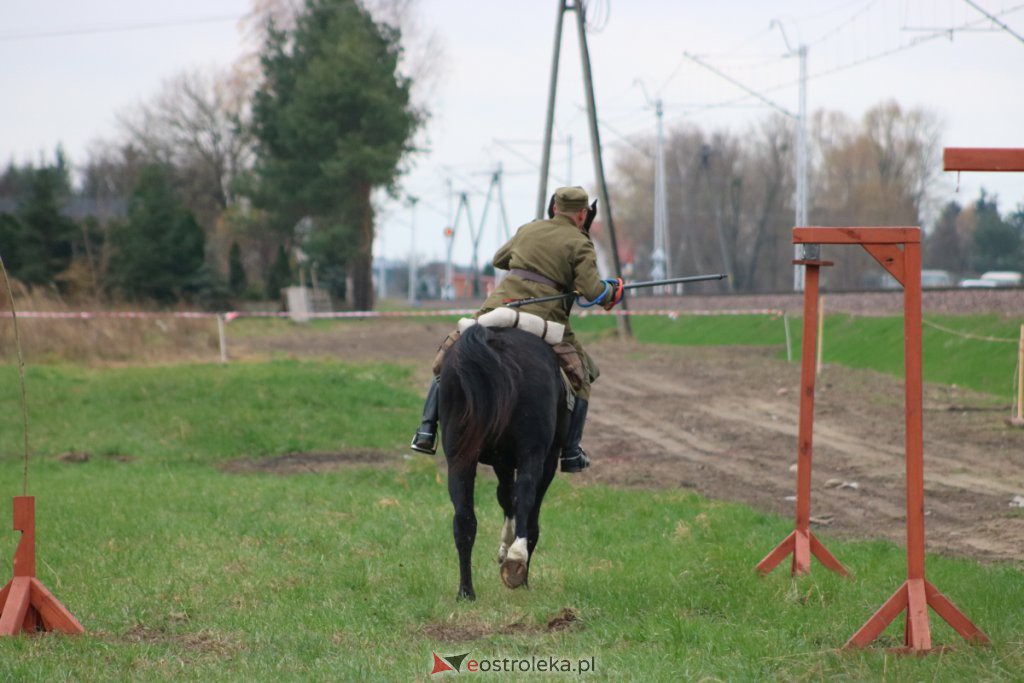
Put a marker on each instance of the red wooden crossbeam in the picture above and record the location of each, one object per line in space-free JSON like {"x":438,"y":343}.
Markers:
{"x":902,"y":235}
{"x":982,"y":159}
{"x":26,"y":606}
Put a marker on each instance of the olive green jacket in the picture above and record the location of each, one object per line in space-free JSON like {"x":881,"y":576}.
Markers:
{"x":559,"y":251}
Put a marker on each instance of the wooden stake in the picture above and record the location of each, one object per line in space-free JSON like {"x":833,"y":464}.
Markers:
{"x":821,"y":335}
{"x":1016,"y":418}
{"x":789,"y":344}
{"x":223,"y":339}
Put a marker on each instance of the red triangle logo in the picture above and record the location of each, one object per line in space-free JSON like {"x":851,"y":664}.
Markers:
{"x":440,"y":665}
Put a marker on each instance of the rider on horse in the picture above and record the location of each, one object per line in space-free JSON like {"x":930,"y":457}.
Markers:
{"x":546,"y":257}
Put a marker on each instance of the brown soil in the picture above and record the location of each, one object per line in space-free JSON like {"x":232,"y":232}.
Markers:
{"x":460,"y":630}
{"x":723,"y":422}
{"x":300,"y":463}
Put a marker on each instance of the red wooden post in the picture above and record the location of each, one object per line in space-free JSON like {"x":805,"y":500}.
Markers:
{"x":802,"y":543}
{"x":25,"y":603}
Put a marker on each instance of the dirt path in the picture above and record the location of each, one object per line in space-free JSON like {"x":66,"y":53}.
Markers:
{"x":723,"y":421}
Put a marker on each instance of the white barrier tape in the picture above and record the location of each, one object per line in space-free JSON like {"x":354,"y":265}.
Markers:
{"x":86,"y":315}
{"x":232,"y":315}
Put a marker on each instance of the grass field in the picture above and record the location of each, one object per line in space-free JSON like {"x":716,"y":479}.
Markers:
{"x":854,"y":341}
{"x":181,"y":570}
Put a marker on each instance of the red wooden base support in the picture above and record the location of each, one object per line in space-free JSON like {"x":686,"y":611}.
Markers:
{"x":801,"y":545}
{"x":26,"y":606}
{"x":914,"y":597}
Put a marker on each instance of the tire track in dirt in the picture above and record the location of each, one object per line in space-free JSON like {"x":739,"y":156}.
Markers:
{"x":739,"y":444}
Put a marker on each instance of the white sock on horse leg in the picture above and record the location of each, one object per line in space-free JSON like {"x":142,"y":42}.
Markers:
{"x":508,"y":534}
{"x":518,"y":551}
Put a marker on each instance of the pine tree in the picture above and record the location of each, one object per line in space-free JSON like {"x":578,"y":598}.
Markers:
{"x":41,"y":233}
{"x":942,"y":247}
{"x":995,"y":244}
{"x":237,"y":281}
{"x":333,"y":120}
{"x":280,"y":275}
{"x":159,"y":249}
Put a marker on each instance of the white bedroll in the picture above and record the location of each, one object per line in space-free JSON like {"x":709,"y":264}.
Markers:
{"x":550,"y":332}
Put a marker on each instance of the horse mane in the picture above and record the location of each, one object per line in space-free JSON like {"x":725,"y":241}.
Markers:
{"x":483,"y":375}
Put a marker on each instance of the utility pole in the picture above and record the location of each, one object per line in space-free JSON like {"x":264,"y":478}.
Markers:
{"x":661,"y":253}
{"x":595,"y":137}
{"x":660,"y":267}
{"x":801,"y":154}
{"x":412,"y":251}
{"x":800,"y":200}
{"x":568,"y":160}
{"x":549,"y":121}
{"x":449,"y":291}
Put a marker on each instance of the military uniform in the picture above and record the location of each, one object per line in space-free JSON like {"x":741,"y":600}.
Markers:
{"x":559,"y":251}
{"x":544,"y":258}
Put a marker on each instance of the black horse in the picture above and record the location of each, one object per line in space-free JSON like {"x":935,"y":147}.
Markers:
{"x":503,"y":404}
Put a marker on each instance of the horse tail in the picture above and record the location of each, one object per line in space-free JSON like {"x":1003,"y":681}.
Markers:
{"x":489,"y":379}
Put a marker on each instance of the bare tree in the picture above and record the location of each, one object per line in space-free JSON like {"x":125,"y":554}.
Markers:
{"x":879,"y":171}
{"x":728,"y":203}
{"x":198,"y":122}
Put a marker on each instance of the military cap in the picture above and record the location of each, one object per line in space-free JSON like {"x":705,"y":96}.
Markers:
{"x":570,"y":199}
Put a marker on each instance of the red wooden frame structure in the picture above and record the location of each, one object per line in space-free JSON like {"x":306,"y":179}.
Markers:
{"x":25,"y":603}
{"x":898,"y":250}
{"x":802,"y":543}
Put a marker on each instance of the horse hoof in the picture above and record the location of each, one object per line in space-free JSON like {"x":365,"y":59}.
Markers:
{"x":513,"y":573}
{"x":468,"y":596}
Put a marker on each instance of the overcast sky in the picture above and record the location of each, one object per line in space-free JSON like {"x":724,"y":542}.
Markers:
{"x":70,"y":67}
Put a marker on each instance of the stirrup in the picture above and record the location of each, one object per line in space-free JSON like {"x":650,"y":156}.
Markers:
{"x":575,"y":463}
{"x":424,"y":442}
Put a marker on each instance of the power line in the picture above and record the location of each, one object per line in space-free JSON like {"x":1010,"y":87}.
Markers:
{"x":842,"y":25}
{"x":996,"y":21}
{"x":124,"y":28}
{"x":849,"y":65}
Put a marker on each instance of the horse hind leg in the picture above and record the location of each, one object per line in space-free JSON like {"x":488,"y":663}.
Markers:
{"x":534,"y":524}
{"x":460,"y":489}
{"x":516,"y":567}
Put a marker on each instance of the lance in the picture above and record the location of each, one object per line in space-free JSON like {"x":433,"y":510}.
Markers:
{"x":632,"y":285}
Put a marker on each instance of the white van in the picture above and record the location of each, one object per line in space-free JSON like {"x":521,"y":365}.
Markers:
{"x":932,"y":279}
{"x":1004,"y":278}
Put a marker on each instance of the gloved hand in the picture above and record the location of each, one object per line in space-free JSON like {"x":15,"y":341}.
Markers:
{"x":615,"y":292}
{"x":551,"y":207}
{"x":591,"y":213}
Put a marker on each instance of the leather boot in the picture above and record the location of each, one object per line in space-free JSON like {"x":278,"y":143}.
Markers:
{"x":573,"y":457}
{"x":425,"y":440}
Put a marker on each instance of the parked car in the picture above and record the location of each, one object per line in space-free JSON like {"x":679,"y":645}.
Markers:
{"x":931,"y":279}
{"x":977,"y":282}
{"x":1004,"y":278}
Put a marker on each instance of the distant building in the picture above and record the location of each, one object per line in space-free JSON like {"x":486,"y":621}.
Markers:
{"x":79,"y":208}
